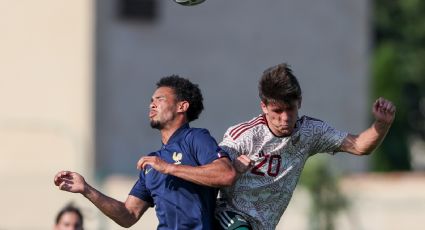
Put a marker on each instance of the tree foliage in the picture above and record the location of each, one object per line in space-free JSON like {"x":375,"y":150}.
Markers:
{"x":399,"y":75}
{"x":327,"y":199}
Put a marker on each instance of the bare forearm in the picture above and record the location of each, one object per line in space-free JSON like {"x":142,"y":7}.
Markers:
{"x":367,"y":141}
{"x":384,"y":112}
{"x":216,"y":174}
{"x":114,"y":209}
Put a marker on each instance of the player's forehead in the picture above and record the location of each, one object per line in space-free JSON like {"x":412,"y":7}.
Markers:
{"x":163,"y":92}
{"x":283,"y":105}
{"x":70,"y":218}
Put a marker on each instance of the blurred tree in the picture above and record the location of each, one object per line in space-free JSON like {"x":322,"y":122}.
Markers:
{"x":327,"y":199}
{"x":399,"y":75}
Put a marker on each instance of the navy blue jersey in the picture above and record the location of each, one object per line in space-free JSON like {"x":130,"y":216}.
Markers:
{"x":180,"y":204}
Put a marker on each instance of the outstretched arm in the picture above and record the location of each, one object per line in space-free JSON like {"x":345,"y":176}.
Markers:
{"x":123,"y":213}
{"x":219,"y":173}
{"x":367,"y":141}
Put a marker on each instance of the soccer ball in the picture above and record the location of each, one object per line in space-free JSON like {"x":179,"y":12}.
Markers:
{"x":189,"y":2}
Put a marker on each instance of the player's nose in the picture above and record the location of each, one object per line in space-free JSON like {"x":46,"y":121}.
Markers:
{"x":284,"y":117}
{"x":152,"y":105}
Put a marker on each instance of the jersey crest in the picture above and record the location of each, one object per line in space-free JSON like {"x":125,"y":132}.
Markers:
{"x":177,"y":157}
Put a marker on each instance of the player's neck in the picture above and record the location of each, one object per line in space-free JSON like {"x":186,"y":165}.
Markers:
{"x":170,"y":129}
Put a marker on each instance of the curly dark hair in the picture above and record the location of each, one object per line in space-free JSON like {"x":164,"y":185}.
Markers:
{"x":185,"y":90}
{"x":279,"y":85}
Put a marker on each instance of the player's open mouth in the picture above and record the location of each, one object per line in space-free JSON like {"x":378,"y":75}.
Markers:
{"x":152,"y":114}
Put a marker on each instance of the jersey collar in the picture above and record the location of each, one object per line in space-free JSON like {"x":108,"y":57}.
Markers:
{"x":177,"y":134}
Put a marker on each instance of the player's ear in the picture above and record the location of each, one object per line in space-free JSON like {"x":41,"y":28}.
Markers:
{"x":182,"y":106}
{"x":264,"y":107}
{"x":299,"y":102}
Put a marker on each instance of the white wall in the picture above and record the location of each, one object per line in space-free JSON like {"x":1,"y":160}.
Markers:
{"x":45,"y":106}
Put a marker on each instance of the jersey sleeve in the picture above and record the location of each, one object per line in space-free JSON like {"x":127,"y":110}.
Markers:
{"x":327,"y":138}
{"x":231,"y":146}
{"x":140,"y":191}
{"x":205,"y":147}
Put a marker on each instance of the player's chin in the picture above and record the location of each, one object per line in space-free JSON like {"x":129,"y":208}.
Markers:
{"x":283,"y":132}
{"x":286,"y":133}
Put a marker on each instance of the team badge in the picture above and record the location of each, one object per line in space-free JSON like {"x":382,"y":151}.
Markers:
{"x":177,"y":157}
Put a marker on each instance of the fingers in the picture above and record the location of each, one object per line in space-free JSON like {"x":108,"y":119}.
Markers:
{"x":61,"y":185}
{"x":243,"y":163}
{"x":57,"y":180}
{"x":144,"y":161}
{"x":154,"y":162}
{"x":384,"y":105}
{"x":64,"y":186}
{"x":60,"y":176}
{"x":245,"y":160}
{"x":70,"y":181}
{"x":141,"y":163}
{"x":64,"y":180}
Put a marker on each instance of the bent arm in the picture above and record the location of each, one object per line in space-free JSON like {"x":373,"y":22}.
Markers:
{"x":367,"y":141}
{"x":219,"y":173}
{"x":125,"y":213}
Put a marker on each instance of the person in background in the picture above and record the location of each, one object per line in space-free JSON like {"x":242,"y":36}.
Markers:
{"x":69,"y":218}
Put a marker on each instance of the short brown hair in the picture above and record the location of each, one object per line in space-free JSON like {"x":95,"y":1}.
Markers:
{"x":279,"y":85}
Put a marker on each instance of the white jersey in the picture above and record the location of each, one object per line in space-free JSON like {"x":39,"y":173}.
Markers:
{"x":262,"y":194}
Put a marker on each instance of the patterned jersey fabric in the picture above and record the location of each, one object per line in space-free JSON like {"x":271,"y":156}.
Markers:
{"x":262,"y":194}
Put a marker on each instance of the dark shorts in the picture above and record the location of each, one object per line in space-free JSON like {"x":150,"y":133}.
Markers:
{"x":228,"y":220}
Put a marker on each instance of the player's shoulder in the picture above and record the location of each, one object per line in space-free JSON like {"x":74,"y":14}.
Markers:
{"x":246,"y":128}
{"x":310,"y":124}
{"x":197,"y":134}
{"x":197,"y":131}
{"x":309,"y":120}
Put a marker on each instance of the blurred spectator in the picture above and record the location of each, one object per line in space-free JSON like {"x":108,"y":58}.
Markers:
{"x":69,"y":218}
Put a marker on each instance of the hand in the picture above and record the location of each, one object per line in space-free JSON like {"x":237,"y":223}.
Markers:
{"x":384,"y":111}
{"x":155,"y":162}
{"x":242,"y":164}
{"x":70,"y":181}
